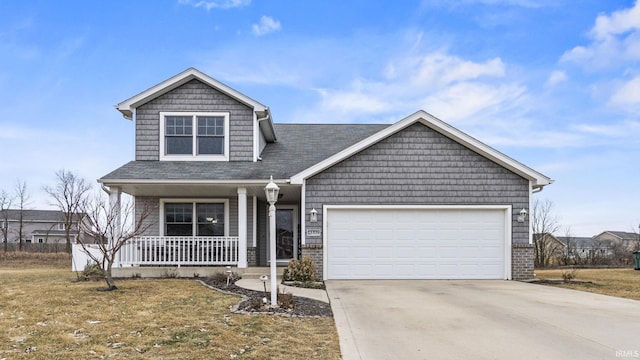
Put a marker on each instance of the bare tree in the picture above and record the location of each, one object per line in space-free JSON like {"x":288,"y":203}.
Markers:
{"x":112,"y":227}
{"x":635,"y":245}
{"x":544,"y":225}
{"x":69,"y":195}
{"x":22,"y":198}
{"x":5,"y":205}
{"x":569,"y":254}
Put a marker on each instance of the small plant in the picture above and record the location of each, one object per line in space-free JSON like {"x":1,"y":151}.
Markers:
{"x":136,"y":275}
{"x":93,"y":271}
{"x":196,"y":275}
{"x":285,"y":300}
{"x":568,"y":275}
{"x":170,"y":273}
{"x":221,"y":277}
{"x":300,"y":270}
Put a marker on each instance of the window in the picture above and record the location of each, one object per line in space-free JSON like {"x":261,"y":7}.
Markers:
{"x":40,"y":240}
{"x":209,"y":219}
{"x":62,"y":226}
{"x":198,"y":136}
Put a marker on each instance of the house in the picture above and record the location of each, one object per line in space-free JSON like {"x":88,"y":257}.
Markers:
{"x":38,"y":226}
{"x":417,"y":199}
{"x":586,"y":250}
{"x":625,"y":240}
{"x":548,"y":250}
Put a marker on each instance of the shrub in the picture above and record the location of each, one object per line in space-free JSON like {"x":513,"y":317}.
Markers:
{"x":221,"y":277}
{"x":300,"y":270}
{"x":568,"y":275}
{"x":170,"y":273}
{"x":285,"y":300}
{"x":92,"y":271}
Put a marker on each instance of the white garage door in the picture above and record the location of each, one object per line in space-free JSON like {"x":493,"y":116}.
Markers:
{"x":415,"y":243}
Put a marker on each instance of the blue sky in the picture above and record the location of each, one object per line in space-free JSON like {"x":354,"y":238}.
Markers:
{"x":554,"y":84}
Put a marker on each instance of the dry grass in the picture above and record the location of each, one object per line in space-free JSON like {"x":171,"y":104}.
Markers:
{"x":46,"y":310}
{"x":615,"y":282}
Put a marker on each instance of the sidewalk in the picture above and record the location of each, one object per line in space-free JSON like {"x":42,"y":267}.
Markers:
{"x":256,"y":284}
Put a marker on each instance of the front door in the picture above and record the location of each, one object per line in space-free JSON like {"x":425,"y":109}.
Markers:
{"x":286,"y":233}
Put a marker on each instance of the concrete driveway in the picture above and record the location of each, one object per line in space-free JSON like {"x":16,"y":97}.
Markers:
{"x":485,"y":319}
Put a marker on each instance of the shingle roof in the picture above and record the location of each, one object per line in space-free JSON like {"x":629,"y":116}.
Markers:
{"x":35,"y":215}
{"x":299,"y":146}
{"x":580,"y":242}
{"x":623,"y":234}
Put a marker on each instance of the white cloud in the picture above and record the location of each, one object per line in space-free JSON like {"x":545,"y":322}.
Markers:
{"x":628,"y":94}
{"x":615,"y":41}
{"x":556,"y":77}
{"x":215,"y":4}
{"x":445,"y":85}
{"x":616,"y":130}
{"x":266,"y":25}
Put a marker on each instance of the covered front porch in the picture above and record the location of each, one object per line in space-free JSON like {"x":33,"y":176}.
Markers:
{"x":209,"y":225}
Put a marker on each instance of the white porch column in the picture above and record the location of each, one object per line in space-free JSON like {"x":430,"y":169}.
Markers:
{"x":115,"y":205}
{"x":242,"y":227}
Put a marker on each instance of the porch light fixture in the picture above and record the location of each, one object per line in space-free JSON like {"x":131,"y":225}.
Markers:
{"x":271,"y":192}
{"x":313,"y":215}
{"x":522,"y":215}
{"x":264,"y":279}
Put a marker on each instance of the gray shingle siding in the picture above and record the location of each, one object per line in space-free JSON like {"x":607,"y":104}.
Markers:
{"x":418,"y":166}
{"x":194,"y":96}
{"x":153,"y":219}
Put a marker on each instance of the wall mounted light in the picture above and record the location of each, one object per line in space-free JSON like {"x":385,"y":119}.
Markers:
{"x":522,"y":215}
{"x":313,"y":215}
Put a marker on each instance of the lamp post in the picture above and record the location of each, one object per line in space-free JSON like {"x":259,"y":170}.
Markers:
{"x":271,"y":191}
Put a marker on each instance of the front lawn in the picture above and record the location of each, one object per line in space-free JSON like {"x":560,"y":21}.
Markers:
{"x":46,"y":314}
{"x":615,"y":282}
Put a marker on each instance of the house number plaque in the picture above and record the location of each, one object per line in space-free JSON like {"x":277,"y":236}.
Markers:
{"x":313,"y":232}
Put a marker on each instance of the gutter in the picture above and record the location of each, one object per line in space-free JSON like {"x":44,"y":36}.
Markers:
{"x":271,"y":128}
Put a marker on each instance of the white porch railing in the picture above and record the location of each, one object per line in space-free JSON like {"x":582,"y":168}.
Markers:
{"x":179,"y":250}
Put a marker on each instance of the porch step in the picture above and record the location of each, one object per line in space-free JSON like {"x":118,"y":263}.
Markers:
{"x":257,"y":271}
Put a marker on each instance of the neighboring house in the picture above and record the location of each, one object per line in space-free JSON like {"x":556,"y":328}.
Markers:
{"x":418,"y":199}
{"x":549,"y":249}
{"x":586,"y":249}
{"x":38,"y":226}
{"x":625,"y":240}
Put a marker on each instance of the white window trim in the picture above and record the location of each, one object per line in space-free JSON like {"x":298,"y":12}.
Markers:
{"x":194,"y":156}
{"x":193,"y":203}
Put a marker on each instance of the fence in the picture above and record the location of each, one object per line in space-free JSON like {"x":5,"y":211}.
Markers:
{"x":35,"y":247}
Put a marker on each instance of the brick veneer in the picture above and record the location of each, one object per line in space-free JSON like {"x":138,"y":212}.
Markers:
{"x":314,"y":251}
{"x":522,"y":261}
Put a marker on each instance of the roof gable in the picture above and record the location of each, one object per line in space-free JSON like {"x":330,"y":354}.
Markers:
{"x":621,"y":235}
{"x":128,"y":106}
{"x":537,"y":179}
{"x":262,"y":112}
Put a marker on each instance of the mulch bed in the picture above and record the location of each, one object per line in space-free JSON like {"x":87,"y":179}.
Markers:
{"x":252,"y":302}
{"x":558,"y":281}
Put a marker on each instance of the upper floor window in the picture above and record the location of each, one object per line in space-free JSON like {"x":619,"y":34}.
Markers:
{"x":62,"y":226}
{"x":194,"y":136}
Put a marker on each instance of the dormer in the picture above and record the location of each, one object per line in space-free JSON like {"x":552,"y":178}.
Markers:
{"x":193,"y":117}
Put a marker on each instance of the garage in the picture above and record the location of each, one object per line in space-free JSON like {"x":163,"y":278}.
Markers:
{"x":387,"y":242}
